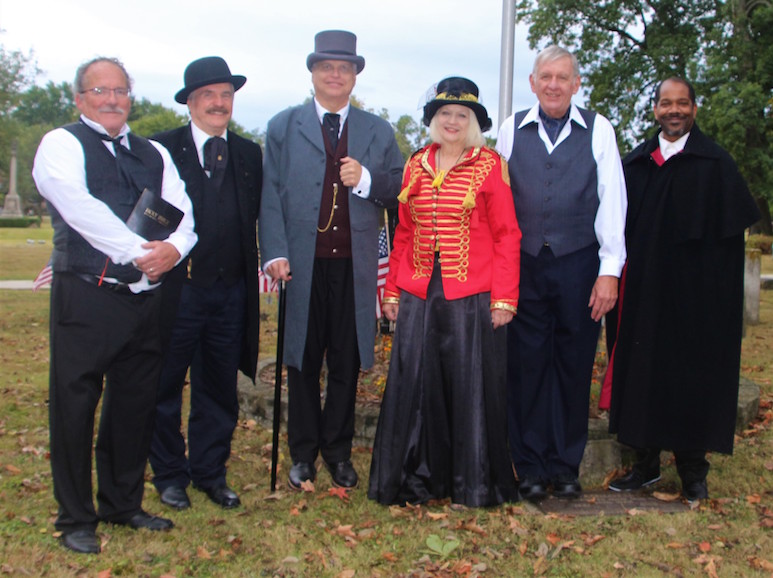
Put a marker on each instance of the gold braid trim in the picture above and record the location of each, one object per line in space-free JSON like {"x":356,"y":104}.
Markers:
{"x":413,"y":164}
{"x":504,"y":305}
{"x":390,"y":300}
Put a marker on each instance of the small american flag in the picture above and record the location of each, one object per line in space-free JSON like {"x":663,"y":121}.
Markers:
{"x":383,"y":268}
{"x":44,"y":278}
{"x":265,"y":283}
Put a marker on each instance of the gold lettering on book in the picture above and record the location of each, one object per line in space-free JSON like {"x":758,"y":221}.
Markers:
{"x":151,"y":214}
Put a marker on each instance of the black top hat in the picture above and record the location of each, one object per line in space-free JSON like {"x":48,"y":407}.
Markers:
{"x":335,"y":45}
{"x":457,"y":90}
{"x":204,"y":71}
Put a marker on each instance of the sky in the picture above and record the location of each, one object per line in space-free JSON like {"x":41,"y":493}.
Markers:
{"x":408,"y":45}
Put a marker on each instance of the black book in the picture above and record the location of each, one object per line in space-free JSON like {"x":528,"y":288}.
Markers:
{"x":153,"y":218}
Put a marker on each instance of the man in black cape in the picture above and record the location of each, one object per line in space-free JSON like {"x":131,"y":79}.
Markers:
{"x":677,"y":358}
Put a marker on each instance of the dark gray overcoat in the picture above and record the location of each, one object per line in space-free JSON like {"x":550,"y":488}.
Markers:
{"x":293,"y":173}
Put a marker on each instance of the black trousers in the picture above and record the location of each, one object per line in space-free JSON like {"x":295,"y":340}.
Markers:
{"x":551,"y":348}
{"x":100,"y":335}
{"x":691,"y":465}
{"x":207,"y":337}
{"x":331,"y":334}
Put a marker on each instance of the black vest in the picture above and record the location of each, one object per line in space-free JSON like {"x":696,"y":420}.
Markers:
{"x":218,"y":253}
{"x":556,"y":195}
{"x":71,"y":251}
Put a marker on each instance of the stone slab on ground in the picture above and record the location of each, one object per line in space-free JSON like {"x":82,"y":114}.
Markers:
{"x":604,"y":502}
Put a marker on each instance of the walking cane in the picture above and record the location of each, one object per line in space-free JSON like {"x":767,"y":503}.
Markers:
{"x":278,"y":382}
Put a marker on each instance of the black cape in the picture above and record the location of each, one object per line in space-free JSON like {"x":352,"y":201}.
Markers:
{"x":677,"y":356}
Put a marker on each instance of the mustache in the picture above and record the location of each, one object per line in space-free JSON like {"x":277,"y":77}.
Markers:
{"x":112,"y":108}
{"x":676,"y":115}
{"x":217,"y":109}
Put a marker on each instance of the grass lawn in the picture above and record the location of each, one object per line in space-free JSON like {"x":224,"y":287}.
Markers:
{"x":326,"y":533}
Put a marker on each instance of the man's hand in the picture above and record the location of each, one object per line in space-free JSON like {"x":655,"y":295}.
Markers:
{"x":603,"y":296}
{"x":162,"y":257}
{"x":279,"y":269}
{"x":390,"y":310}
{"x":351,"y":172}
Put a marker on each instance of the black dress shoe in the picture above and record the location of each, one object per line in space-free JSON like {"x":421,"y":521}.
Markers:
{"x":697,"y":490}
{"x":143,"y":520}
{"x":176,"y":497}
{"x":634,"y":480}
{"x":343,"y":474}
{"x":81,"y":541}
{"x":567,"y":487}
{"x":223,"y":496}
{"x":301,"y":472}
{"x":532,"y":489}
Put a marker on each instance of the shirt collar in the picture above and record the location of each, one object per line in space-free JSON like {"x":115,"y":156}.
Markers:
{"x":343,"y":113}
{"x":668,"y":148}
{"x":100,"y":129}
{"x":533,"y":116}
{"x":200,"y":138}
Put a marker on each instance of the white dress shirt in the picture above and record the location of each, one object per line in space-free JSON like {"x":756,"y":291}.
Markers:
{"x":609,"y":224}
{"x":668,"y":148}
{"x":59,"y":172}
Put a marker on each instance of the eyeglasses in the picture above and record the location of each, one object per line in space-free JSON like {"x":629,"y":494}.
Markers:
{"x":104,"y":91}
{"x":342,"y":69}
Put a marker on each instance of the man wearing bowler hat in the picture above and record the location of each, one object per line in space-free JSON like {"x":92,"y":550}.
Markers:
{"x":330,"y":171}
{"x":211,"y":301}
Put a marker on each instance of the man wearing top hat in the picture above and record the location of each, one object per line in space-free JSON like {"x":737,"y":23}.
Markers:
{"x":330,"y":171}
{"x":214,"y":294}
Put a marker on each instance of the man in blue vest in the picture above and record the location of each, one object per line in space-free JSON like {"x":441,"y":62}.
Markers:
{"x":214,"y":294}
{"x":105,"y":306}
{"x":570,"y":199}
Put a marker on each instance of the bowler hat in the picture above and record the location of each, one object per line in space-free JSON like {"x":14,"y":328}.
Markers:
{"x":205,"y":71}
{"x":457,"y":90}
{"x":335,"y":45}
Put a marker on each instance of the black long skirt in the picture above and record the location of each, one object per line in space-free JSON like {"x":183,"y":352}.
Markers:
{"x":442,"y":431}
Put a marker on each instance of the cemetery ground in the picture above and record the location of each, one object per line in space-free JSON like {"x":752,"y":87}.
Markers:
{"x":327,"y":532}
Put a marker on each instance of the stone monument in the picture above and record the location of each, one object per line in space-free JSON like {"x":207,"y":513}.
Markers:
{"x":12,"y":207}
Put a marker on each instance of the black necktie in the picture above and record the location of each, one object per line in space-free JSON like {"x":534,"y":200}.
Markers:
{"x":216,"y":159}
{"x":132,"y":171}
{"x":332,"y":122}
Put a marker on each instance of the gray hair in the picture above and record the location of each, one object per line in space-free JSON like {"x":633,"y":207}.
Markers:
{"x":78,"y":86}
{"x":474,"y":134}
{"x":551,"y":54}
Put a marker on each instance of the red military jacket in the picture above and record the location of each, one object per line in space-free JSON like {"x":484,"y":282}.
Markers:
{"x":468,"y":217}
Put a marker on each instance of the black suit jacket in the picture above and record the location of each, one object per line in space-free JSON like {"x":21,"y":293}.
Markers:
{"x":247,"y":161}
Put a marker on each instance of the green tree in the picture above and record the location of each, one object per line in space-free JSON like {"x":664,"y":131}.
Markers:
{"x":410,"y":135}
{"x":52,"y":104}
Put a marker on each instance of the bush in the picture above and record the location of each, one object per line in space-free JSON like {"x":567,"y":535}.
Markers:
{"x":24,"y":222}
{"x":761,"y":242}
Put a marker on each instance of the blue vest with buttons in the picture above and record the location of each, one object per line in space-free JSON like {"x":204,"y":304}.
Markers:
{"x":556,"y":195}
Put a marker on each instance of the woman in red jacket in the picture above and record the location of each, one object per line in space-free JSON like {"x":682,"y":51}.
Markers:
{"x":453,"y":278}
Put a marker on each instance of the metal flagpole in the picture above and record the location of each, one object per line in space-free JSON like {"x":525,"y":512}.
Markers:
{"x":278,"y":381}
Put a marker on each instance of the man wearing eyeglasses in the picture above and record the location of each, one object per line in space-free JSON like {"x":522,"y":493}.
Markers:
{"x":214,"y":293}
{"x":105,"y":305}
{"x":330,"y":170}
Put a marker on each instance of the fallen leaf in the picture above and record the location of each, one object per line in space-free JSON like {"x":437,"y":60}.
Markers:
{"x":340,"y":493}
{"x":105,"y":573}
{"x":666,"y":497}
{"x":203,"y":553}
{"x":714,"y":526}
{"x":437,"y":515}
{"x":590,"y":541}
{"x":761,"y":564}
{"x":711,"y":569}
{"x":389,"y":556}
{"x":769,"y":466}
{"x":307,"y":486}
{"x":704,"y":547}
{"x":348,"y":573}
{"x":553,"y":538}
{"x":634,"y":512}
{"x":674,"y":545}
{"x":290,"y":560}
{"x":753,"y":498}
{"x":345,"y":531}
{"x":523,"y":548}
{"x":10,"y":468}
